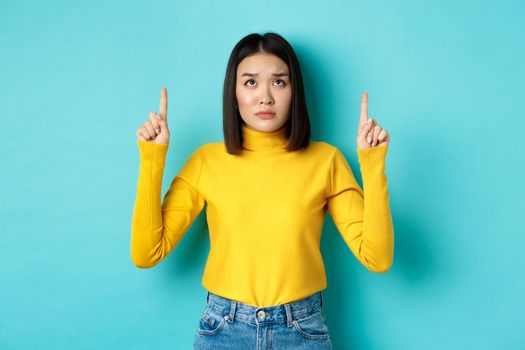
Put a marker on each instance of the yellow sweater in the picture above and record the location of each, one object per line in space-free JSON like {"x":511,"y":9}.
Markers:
{"x":265,"y":210}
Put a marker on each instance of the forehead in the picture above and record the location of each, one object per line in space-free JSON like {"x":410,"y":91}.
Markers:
{"x":262,"y":63}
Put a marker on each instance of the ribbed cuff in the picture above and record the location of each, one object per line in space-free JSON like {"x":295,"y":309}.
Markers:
{"x":152,"y":151}
{"x":372,"y":159}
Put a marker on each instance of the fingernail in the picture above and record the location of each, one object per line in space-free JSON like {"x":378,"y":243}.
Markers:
{"x":369,"y":120}
{"x":157,"y":131}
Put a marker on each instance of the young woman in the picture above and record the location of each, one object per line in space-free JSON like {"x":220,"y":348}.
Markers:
{"x":267,"y":189}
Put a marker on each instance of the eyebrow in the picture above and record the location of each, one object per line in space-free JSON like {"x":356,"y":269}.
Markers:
{"x":280,"y":74}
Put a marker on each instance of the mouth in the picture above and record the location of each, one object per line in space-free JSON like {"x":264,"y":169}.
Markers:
{"x":265,"y":112}
{"x":266,"y":115}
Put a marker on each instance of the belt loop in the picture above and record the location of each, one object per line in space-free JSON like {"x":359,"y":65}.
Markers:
{"x":289,"y":316}
{"x":208,"y":297}
{"x":233,"y":307}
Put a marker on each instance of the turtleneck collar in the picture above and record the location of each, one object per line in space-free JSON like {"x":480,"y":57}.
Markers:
{"x":254,"y":140}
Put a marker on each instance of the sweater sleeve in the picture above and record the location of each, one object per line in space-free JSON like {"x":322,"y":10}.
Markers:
{"x":363,"y":217}
{"x":157,"y":227}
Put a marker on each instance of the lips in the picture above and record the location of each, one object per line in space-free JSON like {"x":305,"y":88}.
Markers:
{"x":266,"y":115}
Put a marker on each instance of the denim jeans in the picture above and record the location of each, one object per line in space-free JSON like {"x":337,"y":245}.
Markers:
{"x":232,"y":325}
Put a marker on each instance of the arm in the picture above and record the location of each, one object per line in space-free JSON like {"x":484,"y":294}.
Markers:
{"x":157,"y":228}
{"x":363,"y":217}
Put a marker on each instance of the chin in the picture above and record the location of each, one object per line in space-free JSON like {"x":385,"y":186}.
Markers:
{"x":265,"y":125}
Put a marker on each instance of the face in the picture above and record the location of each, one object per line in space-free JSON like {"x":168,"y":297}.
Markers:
{"x":263,"y":84}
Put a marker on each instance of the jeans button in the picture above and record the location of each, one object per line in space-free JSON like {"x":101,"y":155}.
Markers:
{"x":261,"y":314}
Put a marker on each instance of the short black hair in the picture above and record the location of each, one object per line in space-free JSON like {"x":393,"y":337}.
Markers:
{"x":298,"y":124}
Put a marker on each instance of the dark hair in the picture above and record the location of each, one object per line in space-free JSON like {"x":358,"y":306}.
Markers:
{"x":298,"y":124}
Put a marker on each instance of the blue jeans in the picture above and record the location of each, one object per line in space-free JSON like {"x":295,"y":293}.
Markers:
{"x":229,"y":324}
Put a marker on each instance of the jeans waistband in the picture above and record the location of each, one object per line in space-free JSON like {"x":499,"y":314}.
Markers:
{"x":269,"y":314}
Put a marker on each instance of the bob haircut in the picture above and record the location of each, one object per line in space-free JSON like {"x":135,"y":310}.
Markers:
{"x":298,"y":124}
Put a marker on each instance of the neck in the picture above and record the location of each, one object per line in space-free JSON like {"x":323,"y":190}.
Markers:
{"x":255,"y":140}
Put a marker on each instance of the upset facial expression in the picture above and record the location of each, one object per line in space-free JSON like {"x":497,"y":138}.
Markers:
{"x":263,"y":84}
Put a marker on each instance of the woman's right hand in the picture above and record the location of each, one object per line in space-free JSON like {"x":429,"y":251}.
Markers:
{"x":156,"y":128}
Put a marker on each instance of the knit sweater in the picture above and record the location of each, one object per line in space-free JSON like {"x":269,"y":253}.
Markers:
{"x":265,"y":210}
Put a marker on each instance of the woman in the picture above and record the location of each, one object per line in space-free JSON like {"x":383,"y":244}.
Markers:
{"x":267,"y":188}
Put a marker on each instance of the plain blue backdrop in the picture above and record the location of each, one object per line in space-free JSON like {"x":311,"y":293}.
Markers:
{"x":77,"y":79}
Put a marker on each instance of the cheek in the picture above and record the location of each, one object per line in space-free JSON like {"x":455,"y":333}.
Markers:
{"x":286,"y":99}
{"x":244,"y":98}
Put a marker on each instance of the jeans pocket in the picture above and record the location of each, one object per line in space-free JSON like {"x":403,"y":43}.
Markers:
{"x":312,"y":326}
{"x":210,"y":323}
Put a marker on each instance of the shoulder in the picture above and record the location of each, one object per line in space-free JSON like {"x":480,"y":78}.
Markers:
{"x":331,"y":155}
{"x":323,"y":148}
{"x":210,"y":147}
{"x":320,"y":153}
{"x":210,"y":150}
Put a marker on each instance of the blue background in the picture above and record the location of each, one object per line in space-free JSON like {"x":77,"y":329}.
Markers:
{"x":444,"y":78}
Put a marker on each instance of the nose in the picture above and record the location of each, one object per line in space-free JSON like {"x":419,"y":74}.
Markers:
{"x":266,"y":98}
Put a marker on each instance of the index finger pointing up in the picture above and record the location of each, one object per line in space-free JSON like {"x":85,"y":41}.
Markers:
{"x":364,"y":110}
{"x":163,"y":111}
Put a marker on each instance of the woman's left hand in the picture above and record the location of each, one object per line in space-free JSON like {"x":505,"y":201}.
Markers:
{"x":370,"y":134}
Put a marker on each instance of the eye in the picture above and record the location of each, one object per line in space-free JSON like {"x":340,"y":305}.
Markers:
{"x":283,"y":82}
{"x":247,"y":81}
